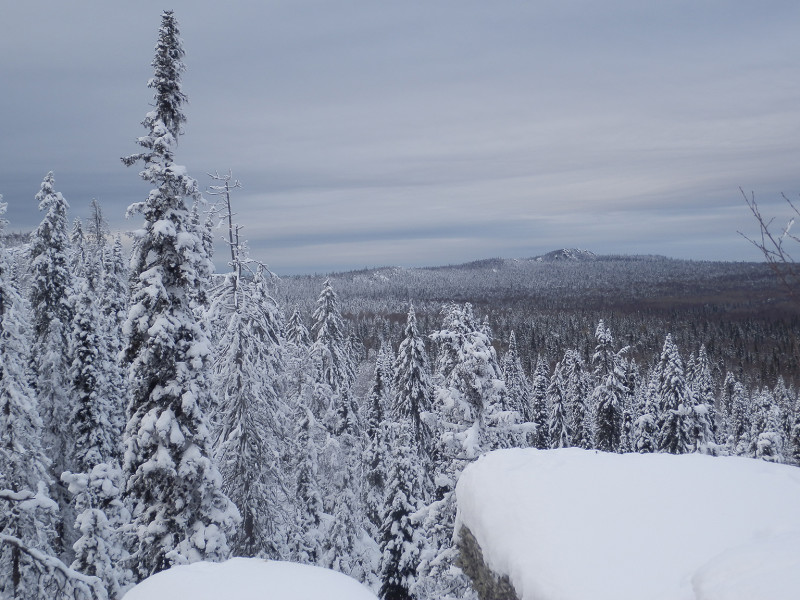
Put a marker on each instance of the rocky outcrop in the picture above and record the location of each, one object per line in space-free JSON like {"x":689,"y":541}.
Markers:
{"x":486,"y":582}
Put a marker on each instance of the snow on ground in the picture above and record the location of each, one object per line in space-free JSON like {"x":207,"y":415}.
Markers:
{"x":583,"y":525}
{"x":249,"y":579}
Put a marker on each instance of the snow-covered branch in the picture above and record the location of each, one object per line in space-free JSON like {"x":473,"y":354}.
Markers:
{"x":66,"y":581}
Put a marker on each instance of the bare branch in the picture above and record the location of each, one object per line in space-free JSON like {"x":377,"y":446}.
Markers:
{"x":773,"y":245}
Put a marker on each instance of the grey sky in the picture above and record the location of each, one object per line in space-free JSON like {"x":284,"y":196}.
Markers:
{"x":423,"y":132}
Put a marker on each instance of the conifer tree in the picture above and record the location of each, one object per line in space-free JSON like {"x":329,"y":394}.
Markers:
{"x":645,"y":436}
{"x":558,"y":423}
{"x":307,"y":546}
{"x":50,"y":289}
{"x":101,"y":515}
{"x":248,"y":383}
{"x":518,"y":388}
{"x":673,"y":420}
{"x":609,"y":392}
{"x":470,"y":382}
{"x":413,"y":391}
{"x":577,"y":391}
{"x":180,"y":513}
{"x":740,"y":421}
{"x":541,"y":434}
{"x":296,"y":332}
{"x":114,"y":307}
{"x":23,"y":463}
{"x":703,"y":387}
{"x":331,"y":342}
{"x":399,"y":543}
{"x":766,"y":439}
{"x":376,"y":451}
{"x":92,"y":412}
{"x":793,"y":442}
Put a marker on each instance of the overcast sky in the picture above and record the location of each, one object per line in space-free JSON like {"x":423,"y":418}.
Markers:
{"x":423,"y":132}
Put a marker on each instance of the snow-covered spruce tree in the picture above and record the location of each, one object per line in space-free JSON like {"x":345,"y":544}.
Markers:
{"x":296,"y":331}
{"x":307,"y":544}
{"x":412,"y":387}
{"x":469,"y":383}
{"x":609,"y":391}
{"x":645,"y":436}
{"x":703,"y":387}
{"x":399,"y":539}
{"x":344,"y":545}
{"x":793,"y":443}
{"x":92,"y":410}
{"x":558,"y":422}
{"x":518,"y":388}
{"x":78,"y":242}
{"x":376,"y":449}
{"x":101,"y":514}
{"x":331,"y":341}
{"x":541,"y":435}
{"x":577,"y":391}
{"x":179,"y":511}
{"x":50,"y":289}
{"x":114,"y":307}
{"x":725,"y":427}
{"x":248,"y":383}
{"x":784,"y":400}
{"x":96,"y":226}
{"x":766,"y":438}
{"x":23,"y":463}
{"x":673,"y":419}
{"x":632,"y":383}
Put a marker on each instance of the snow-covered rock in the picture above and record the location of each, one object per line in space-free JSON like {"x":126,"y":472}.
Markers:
{"x":573,"y":524}
{"x":249,"y":579}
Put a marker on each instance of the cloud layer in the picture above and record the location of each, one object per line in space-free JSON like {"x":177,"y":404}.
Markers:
{"x":422,"y":133}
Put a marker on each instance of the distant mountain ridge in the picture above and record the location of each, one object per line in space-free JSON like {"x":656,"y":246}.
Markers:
{"x":573,"y":254}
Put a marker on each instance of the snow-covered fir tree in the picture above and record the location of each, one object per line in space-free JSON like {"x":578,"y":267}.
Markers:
{"x":310,"y":519}
{"x":674,"y":416}
{"x":101,"y":514}
{"x":766,"y":438}
{"x":49,"y":292}
{"x":470,"y":382}
{"x":609,"y":392}
{"x":114,"y":308}
{"x":703,"y":388}
{"x":23,"y":462}
{"x":93,"y":412}
{"x":399,"y":538}
{"x":577,"y":392}
{"x":376,"y":451}
{"x":296,"y":331}
{"x":331,"y":341}
{"x":518,"y":388}
{"x":558,"y":422}
{"x":248,"y":384}
{"x":412,"y":387}
{"x":180,"y":513}
{"x":541,"y":435}
{"x":644,"y":437}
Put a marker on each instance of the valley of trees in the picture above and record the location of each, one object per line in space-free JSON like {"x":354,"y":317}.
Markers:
{"x":153,"y":414}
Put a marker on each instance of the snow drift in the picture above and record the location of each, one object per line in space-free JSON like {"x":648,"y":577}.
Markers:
{"x":573,"y":524}
{"x":249,"y":579}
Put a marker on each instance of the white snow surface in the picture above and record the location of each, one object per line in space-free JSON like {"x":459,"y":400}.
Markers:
{"x":249,"y":579}
{"x":573,"y":524}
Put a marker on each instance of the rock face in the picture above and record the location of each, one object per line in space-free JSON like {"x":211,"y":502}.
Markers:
{"x":488,"y":585}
